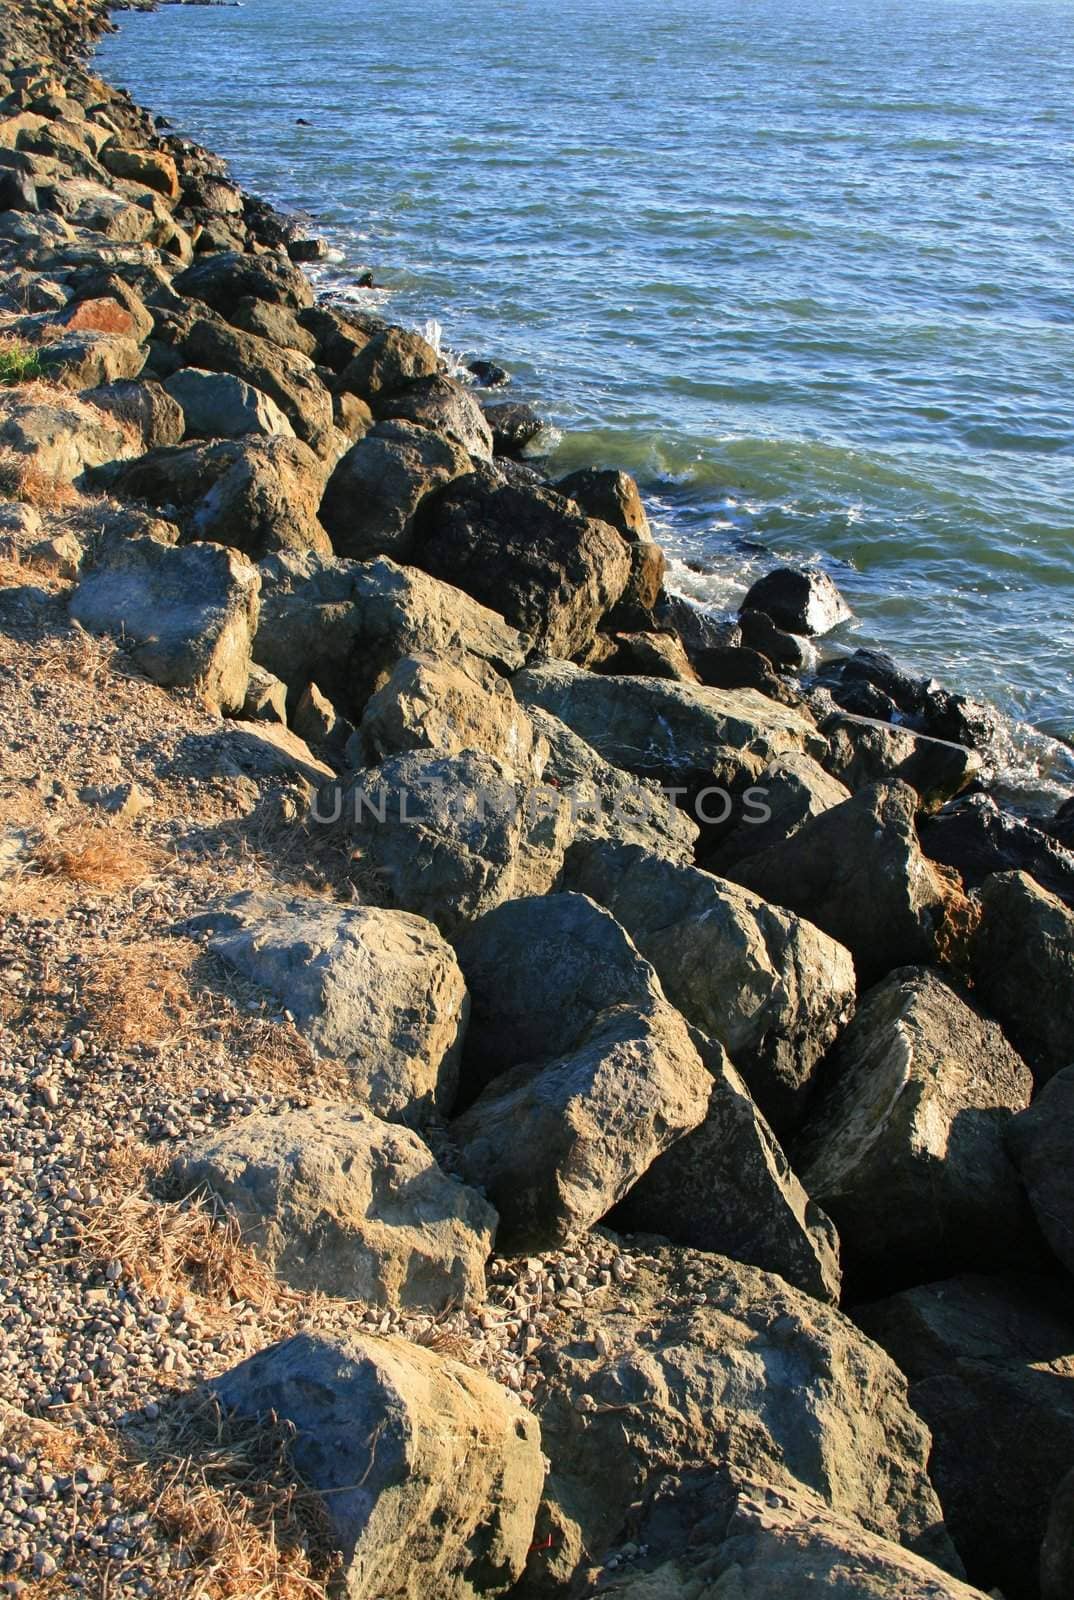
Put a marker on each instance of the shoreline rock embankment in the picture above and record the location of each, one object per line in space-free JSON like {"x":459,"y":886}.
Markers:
{"x":581,"y":1093}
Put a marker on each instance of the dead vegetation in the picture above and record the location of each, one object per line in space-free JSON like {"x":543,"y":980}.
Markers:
{"x":22,"y":479}
{"x":105,"y":859}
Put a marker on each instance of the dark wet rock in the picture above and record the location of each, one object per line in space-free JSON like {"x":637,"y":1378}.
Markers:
{"x":799,"y":600}
{"x":489,"y":375}
{"x":786,"y":651}
{"x":977,"y":837}
{"x":377,"y":1429}
{"x":515,"y":427}
{"x":857,"y":871}
{"x":651,"y":655}
{"x":863,"y":751}
{"x":698,"y":629}
{"x":528,"y":554}
{"x":701,"y":1369}
{"x":991,"y":1363}
{"x":1061,"y":827}
{"x":1022,"y":957}
{"x":870,"y":683}
{"x":736,"y":667}
{"x":771,"y":988}
{"x":905,"y":1150}
{"x":1057,"y":1549}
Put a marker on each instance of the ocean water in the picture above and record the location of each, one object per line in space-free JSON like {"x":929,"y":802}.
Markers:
{"x":806,"y":268}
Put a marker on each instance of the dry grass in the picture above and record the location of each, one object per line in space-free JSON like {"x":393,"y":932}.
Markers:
{"x":100,"y":858}
{"x":140,"y":993}
{"x":22,"y":479}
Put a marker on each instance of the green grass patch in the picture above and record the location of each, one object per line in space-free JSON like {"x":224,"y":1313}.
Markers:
{"x":19,"y":362}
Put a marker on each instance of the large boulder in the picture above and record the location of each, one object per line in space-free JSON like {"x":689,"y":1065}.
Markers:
{"x":84,"y":360}
{"x":387,"y":364}
{"x":611,"y":497}
{"x":344,"y":625}
{"x":589,"y":1073}
{"x":607,"y":803}
{"x":976,"y":837}
{"x":190,"y":612}
{"x":225,"y":278}
{"x":773,"y":1544}
{"x":798,"y":599}
{"x":217,"y":405}
{"x":1041,"y":1143}
{"x":527,"y":552}
{"x":905,"y":1151}
{"x":448,"y":837}
{"x":142,"y":405}
{"x":285,"y":376}
{"x":698,"y":1369}
{"x":773,"y":989}
{"x":375,"y":491}
{"x":61,"y":436}
{"x":448,"y":703}
{"x":430,"y":1473}
{"x":379,"y":990}
{"x":684,"y":735}
{"x":863,"y":751}
{"x":857,"y":871}
{"x":790,"y":791}
{"x":256,"y":495}
{"x":339,"y":1203}
{"x":991,"y":1368}
{"x":1023,"y":966}
{"x":446,"y":409}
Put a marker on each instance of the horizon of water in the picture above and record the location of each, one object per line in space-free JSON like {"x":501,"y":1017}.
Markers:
{"x":805,"y":268}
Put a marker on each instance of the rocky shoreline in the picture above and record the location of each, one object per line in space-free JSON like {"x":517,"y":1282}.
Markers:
{"x":511,"y":1086}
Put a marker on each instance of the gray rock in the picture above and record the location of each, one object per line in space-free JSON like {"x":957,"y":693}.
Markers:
{"x":379,"y":990}
{"x":770,"y":987}
{"x":857,"y":871}
{"x":449,"y":837}
{"x":430,"y":1473}
{"x":864,"y":751}
{"x":1041,"y":1143}
{"x":1023,"y":966}
{"x":285,"y":376}
{"x":605,"y":802}
{"x":446,"y":409}
{"x":699,"y":1368}
{"x":528,"y":553}
{"x":316,"y":719}
{"x":790,"y":792}
{"x":225,"y":278}
{"x":345,"y":624}
{"x":266,"y":697}
{"x":339,"y":1203}
{"x":680,"y":734}
{"x":448,"y":703}
{"x":906,"y":1149}
{"x":85,"y":360}
{"x":61,"y":436}
{"x":217,"y":405}
{"x":144,"y":406}
{"x":991,"y":1364}
{"x":191,"y":612}
{"x":377,"y":489}
{"x":799,"y":600}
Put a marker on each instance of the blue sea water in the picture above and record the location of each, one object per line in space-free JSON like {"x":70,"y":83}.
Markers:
{"x":805,"y":267}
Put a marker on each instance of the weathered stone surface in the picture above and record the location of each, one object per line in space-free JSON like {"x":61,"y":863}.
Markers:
{"x":376,"y":490}
{"x":339,"y":1203}
{"x":285,"y":376}
{"x":787,"y":794}
{"x":339,"y":337}
{"x":786,"y":651}
{"x":387,"y":364}
{"x":869,"y":683}
{"x":217,"y":405}
{"x":191,"y":612}
{"x":154,"y":168}
{"x":1023,"y":967}
{"x":991,"y":1364}
{"x":611,"y":497}
{"x":607,"y":803}
{"x":701,"y":1368}
{"x":906,"y":1149}
{"x":800,"y":600}
{"x":85,"y":360}
{"x":449,"y":837}
{"x":1057,"y":1549}
{"x":774,"y":1544}
{"x":225,"y":278}
{"x":857,"y":871}
{"x":379,"y":990}
{"x":516,"y":428}
{"x":446,"y":409}
{"x":977,"y":837}
{"x":266,"y":697}
{"x":448,"y":703}
{"x":276,"y":323}
{"x":773,"y":989}
{"x":316,"y":719}
{"x":1041,"y":1143}
{"x":61,"y":436}
{"x":430,"y":1472}
{"x":528,"y":553}
{"x":345,"y":624}
{"x":864,"y":751}
{"x":142,"y":405}
{"x":655,"y":655}
{"x":597,"y":1074}
{"x":681,"y":734}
